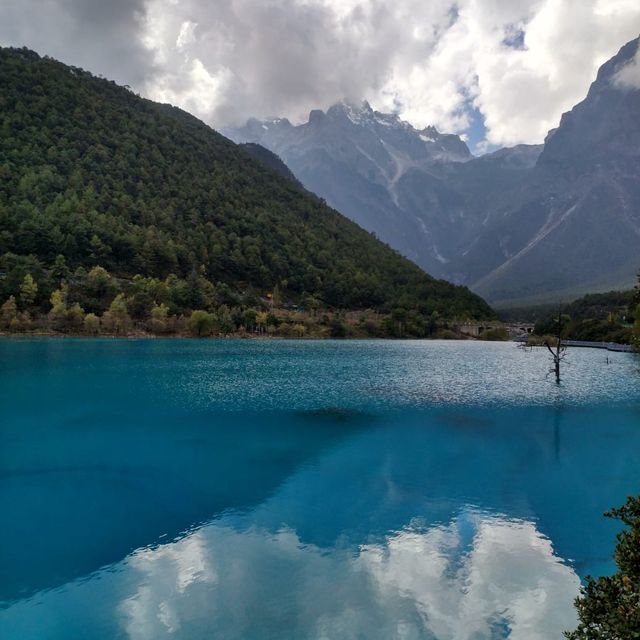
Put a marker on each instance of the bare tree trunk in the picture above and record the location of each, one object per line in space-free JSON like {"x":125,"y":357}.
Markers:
{"x":556,"y":359}
{"x":559,"y":352}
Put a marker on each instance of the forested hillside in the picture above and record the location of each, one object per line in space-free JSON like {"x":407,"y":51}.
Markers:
{"x":93,"y":175}
{"x":597,"y":317}
{"x":270,"y":159}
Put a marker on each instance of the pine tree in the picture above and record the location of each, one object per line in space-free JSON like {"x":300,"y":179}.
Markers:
{"x":28,"y":291}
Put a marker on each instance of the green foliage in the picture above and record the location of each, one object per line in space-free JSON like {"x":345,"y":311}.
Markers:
{"x":116,"y":319}
{"x":75,"y":317}
{"x":601,"y":306}
{"x":202,"y":323}
{"x":249,"y":319}
{"x":28,"y":291}
{"x":98,"y":185}
{"x":261,"y":321}
{"x":60,"y":270}
{"x":337,"y":328}
{"x":535,"y":340}
{"x":609,"y":607}
{"x":8,"y":312}
{"x":91,"y":324}
{"x":446,"y":334}
{"x":58,"y":313}
{"x":225,"y":320}
{"x":495,"y":334}
{"x":299,"y":330}
{"x":159,"y":321}
{"x":598,"y":317}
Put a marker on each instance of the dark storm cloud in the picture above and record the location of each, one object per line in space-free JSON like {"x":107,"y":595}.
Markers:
{"x":103,"y":37}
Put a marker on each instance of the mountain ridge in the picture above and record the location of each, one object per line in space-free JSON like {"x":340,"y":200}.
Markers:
{"x":358,"y":159}
{"x":95,"y":175}
{"x":530,"y":221}
{"x":582,"y":198}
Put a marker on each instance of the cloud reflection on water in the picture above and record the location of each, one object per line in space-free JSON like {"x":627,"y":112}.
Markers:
{"x":311,"y":507}
{"x":480,"y":576}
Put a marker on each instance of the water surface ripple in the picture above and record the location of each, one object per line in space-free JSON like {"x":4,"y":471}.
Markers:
{"x":299,"y":489}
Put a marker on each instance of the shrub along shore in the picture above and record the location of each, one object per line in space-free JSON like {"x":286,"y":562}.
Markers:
{"x":95,"y":303}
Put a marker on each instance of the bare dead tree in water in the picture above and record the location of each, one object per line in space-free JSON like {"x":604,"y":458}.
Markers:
{"x":559,"y":351}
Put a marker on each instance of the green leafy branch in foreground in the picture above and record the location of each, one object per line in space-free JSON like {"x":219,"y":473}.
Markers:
{"x":609,"y":607}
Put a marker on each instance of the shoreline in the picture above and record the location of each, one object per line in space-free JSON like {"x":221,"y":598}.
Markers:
{"x":230,"y":336}
{"x":579,"y":344}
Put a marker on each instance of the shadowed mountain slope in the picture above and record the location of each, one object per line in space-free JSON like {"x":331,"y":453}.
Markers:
{"x":532,"y":222}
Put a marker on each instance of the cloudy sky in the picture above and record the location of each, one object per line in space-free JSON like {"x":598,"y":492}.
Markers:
{"x":500,"y":71}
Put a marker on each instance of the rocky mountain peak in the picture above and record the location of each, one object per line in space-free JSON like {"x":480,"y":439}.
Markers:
{"x":584,"y":137}
{"x":518,"y":223}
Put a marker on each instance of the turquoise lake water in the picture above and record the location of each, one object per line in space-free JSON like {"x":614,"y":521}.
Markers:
{"x":306,"y":489}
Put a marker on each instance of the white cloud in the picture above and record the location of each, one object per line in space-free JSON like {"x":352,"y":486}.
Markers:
{"x":522,"y":93}
{"x":186,"y":35}
{"x":521,"y":63}
{"x":629,"y":75}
